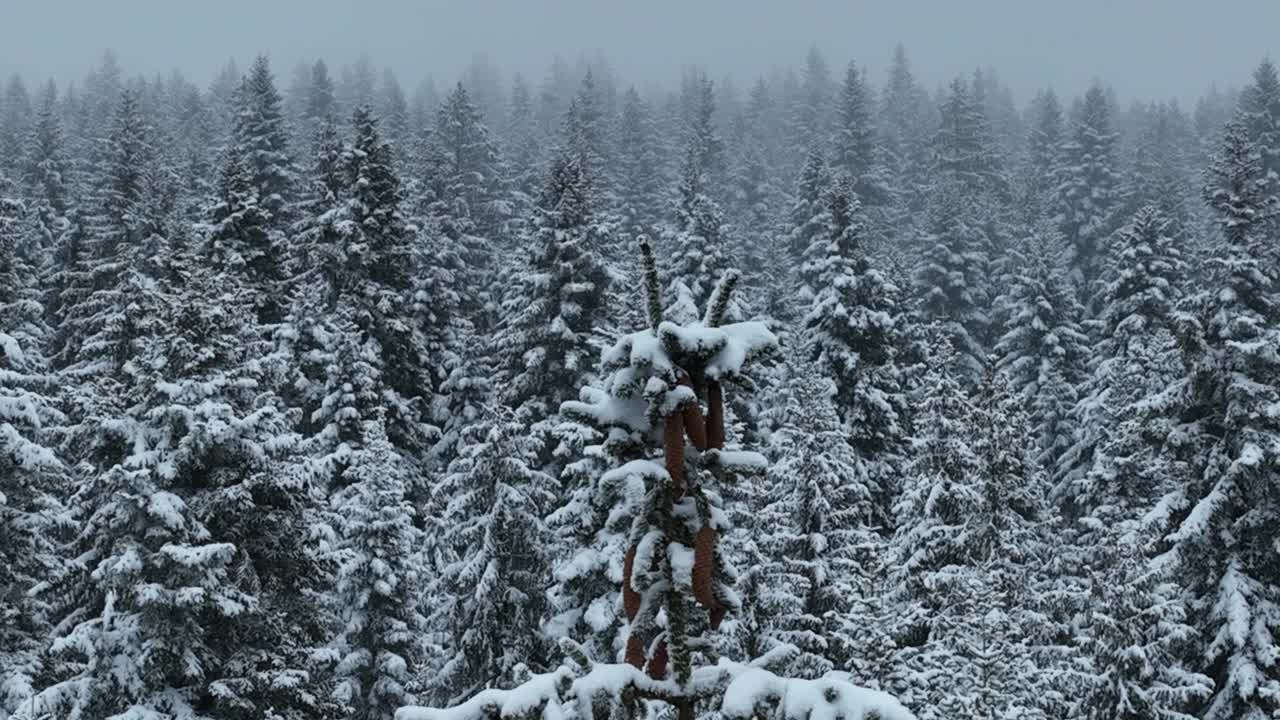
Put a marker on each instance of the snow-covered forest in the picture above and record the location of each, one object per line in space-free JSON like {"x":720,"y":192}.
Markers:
{"x":318,"y":390}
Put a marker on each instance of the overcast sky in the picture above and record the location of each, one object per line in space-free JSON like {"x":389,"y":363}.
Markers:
{"x":1150,"y":49}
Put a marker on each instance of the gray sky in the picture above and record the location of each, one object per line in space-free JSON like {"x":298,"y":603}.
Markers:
{"x":1151,"y":49}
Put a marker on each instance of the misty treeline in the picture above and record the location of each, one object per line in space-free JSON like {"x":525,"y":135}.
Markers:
{"x":282,"y":363}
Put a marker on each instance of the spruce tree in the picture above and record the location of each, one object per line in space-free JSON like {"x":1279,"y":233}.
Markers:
{"x":47,"y":172}
{"x":557,"y":298}
{"x":1043,"y":350}
{"x":641,"y":161}
{"x":1219,"y":524}
{"x":819,"y":530}
{"x":857,"y":336}
{"x":1044,"y":143}
{"x":250,"y":219}
{"x":1137,"y":630}
{"x":490,"y":529}
{"x":857,"y":151}
{"x":808,"y":220}
{"x":1260,"y":108}
{"x":15,"y":119}
{"x":31,"y":472}
{"x":813,"y":113}
{"x":381,"y":638}
{"x":961,"y":558}
{"x":1087,"y":189}
{"x":951,"y":276}
{"x":464,"y":169}
{"x":697,"y":247}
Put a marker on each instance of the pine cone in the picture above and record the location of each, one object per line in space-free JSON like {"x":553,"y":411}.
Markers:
{"x":630,"y":598}
{"x":658,"y":663}
{"x":635,"y":652}
{"x":717,"y":616}
{"x":704,"y":546}
{"x":673,"y":445}
{"x":694,"y":425}
{"x":715,"y":415}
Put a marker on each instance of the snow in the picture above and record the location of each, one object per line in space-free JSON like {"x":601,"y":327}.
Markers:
{"x":828,"y":698}
{"x":12,"y":350}
{"x":741,"y":689}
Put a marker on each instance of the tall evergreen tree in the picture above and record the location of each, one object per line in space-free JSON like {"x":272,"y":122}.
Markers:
{"x":1088,"y":187}
{"x":951,"y":277}
{"x":381,"y":640}
{"x":697,"y":247}
{"x":1044,"y":142}
{"x":1043,"y":349}
{"x":856,"y":329}
{"x":491,"y":531}
{"x":1260,"y":105}
{"x":31,"y":473}
{"x":250,"y":220}
{"x":819,"y":531}
{"x":557,"y":299}
{"x":1221,"y":522}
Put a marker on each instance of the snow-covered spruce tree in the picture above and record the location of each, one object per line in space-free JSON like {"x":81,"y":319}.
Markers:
{"x":521,"y":139}
{"x":1087,"y":191}
{"x":697,"y":247}
{"x":113,"y":225}
{"x":857,"y":151}
{"x":676,"y":585}
{"x":490,"y":597}
{"x":1043,"y":350}
{"x":698,"y":128}
{"x":381,"y":638}
{"x":1142,"y":285}
{"x":464,"y":168}
{"x":757,"y":192}
{"x":963,"y":149}
{"x":951,"y":276}
{"x":250,"y":218}
{"x":359,"y":258}
{"x":464,"y":200}
{"x":1160,"y":175}
{"x":641,"y":170}
{"x":15,"y":118}
{"x":855,"y":327}
{"x":46,"y":171}
{"x":31,"y":474}
{"x":807,"y":223}
{"x":592,"y":127}
{"x":1220,"y":524}
{"x":1142,"y":280}
{"x":178,"y":601}
{"x":909,"y":119}
{"x":1137,"y":632}
{"x":811,"y":121}
{"x":1260,"y":108}
{"x":1043,"y":152}
{"x":819,"y":535}
{"x":960,"y":561}
{"x":556,"y":299}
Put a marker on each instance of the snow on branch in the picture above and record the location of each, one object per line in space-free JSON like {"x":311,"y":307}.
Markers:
{"x":581,"y":689}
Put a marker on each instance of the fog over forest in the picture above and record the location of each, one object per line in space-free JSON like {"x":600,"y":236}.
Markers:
{"x":647,"y":361}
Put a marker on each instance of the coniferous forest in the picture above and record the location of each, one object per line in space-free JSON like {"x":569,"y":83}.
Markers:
{"x":322,"y":396}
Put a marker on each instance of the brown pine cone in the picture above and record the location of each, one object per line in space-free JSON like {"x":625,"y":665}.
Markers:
{"x":715,"y":415}
{"x":630,"y":598}
{"x":673,"y":446}
{"x":635,"y":652}
{"x":704,"y":546}
{"x":717,"y":616}
{"x":658,"y":663}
